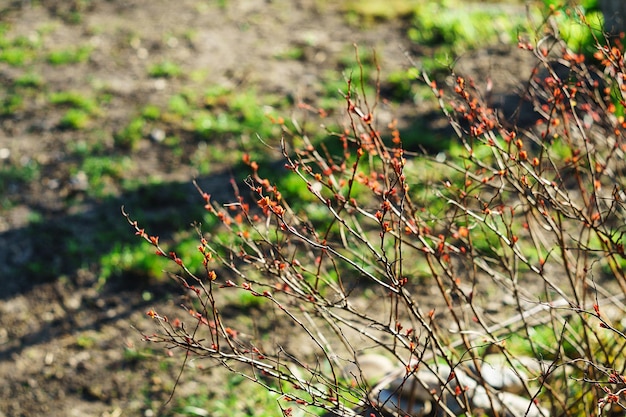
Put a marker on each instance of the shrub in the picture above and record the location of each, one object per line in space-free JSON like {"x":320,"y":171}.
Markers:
{"x":529,"y":220}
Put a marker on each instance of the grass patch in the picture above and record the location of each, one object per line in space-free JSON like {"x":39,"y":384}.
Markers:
{"x":104,"y":173}
{"x":14,"y":175}
{"x":462,"y":26}
{"x":74,"y":99}
{"x":241,"y":399}
{"x":179,"y":105}
{"x":579,"y":35}
{"x":11,"y":103}
{"x":371,"y":11}
{"x":151,"y":112}
{"x":291,"y":54}
{"x":131,"y":135}
{"x":75,"y":119}
{"x":81,"y":110}
{"x":86,"y":341}
{"x":18,"y":51}
{"x":69,"y":56}
{"x":16,"y":57}
{"x":29,"y":80}
{"x":165,"y":69}
{"x":229,"y":113}
{"x":133,"y":263}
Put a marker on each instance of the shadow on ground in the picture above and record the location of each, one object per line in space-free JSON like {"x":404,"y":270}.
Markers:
{"x":60,"y":245}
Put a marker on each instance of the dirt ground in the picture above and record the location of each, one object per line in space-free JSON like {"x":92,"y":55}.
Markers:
{"x":66,"y":348}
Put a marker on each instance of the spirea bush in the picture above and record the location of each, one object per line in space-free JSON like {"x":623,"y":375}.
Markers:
{"x":504,"y":253}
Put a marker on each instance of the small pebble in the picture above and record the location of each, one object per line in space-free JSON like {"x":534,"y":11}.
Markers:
{"x":157,"y":135}
{"x":80,"y":181}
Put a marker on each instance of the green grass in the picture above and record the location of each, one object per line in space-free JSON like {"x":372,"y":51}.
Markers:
{"x":165,"y":69}
{"x":18,"y":51}
{"x":151,"y":112}
{"x":291,"y":54}
{"x":370,"y":11}
{"x":236,"y":119}
{"x":134,"y":262}
{"x":463,"y":26}
{"x":74,"y":99}
{"x":16,"y":56}
{"x":179,"y":105}
{"x":104,"y":173}
{"x":240,"y":399}
{"x":578,"y":35}
{"x":137,"y":262}
{"x":29,"y":80}
{"x":86,"y":340}
{"x":69,"y":56}
{"x":14,"y":174}
{"x":81,"y":109}
{"x":75,"y":119}
{"x":130,"y":136}
{"x":11,"y":103}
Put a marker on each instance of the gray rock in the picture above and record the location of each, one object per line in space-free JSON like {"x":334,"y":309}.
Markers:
{"x":371,"y":368}
{"x":157,"y":135}
{"x":499,"y":374}
{"x":417,"y":394}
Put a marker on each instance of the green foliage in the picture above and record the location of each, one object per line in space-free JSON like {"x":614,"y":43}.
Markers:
{"x":17,"y":174}
{"x":104,"y":172}
{"x":590,"y":5}
{"x":165,"y":69}
{"x":15,"y":56}
{"x":69,"y":56}
{"x":234,"y":113}
{"x":82,"y":108}
{"x":295,"y":53}
{"x":74,"y":99}
{"x":131,"y":262}
{"x":29,"y":80}
{"x":246,"y":301}
{"x":460,"y":25}
{"x":131,"y":135}
{"x":580,"y":36}
{"x":377,"y":10}
{"x":76,"y":119}
{"x":179,"y":105}
{"x":85,"y":341}
{"x":11,"y":103}
{"x":151,"y":112}
{"x":401,"y":84}
{"x":18,"y":51}
{"x":239,"y":400}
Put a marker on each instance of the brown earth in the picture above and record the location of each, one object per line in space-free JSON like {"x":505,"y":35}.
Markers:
{"x":67,"y":348}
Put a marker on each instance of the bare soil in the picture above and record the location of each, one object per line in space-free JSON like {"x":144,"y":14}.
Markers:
{"x":67,"y":348}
